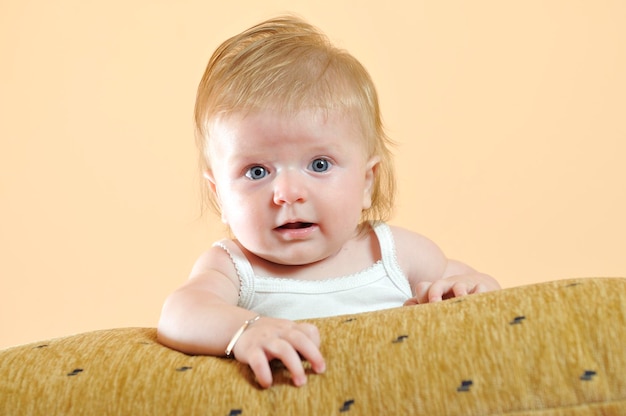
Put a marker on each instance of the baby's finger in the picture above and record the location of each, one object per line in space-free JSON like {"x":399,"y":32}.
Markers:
{"x":260,"y":366}
{"x":308,"y":349}
{"x":284,"y":351}
{"x":437,"y":290}
{"x":411,"y":301}
{"x":311,"y":332}
{"x":460,"y":289}
{"x":421,"y":291}
{"x":479,"y":288}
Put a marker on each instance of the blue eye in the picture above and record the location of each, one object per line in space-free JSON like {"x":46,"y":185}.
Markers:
{"x":320,"y":165}
{"x":256,"y":173}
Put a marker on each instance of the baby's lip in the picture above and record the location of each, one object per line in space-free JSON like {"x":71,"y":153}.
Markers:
{"x":295,"y":225}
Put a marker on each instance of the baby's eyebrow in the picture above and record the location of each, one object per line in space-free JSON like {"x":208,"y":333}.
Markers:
{"x":251,"y":156}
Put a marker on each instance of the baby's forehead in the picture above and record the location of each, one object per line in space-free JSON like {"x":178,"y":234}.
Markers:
{"x":272,"y":127}
{"x":337,"y":129}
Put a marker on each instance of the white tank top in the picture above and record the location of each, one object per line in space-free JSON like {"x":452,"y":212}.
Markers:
{"x":383,"y":285}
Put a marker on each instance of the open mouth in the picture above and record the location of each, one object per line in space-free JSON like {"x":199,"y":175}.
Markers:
{"x":295,"y":225}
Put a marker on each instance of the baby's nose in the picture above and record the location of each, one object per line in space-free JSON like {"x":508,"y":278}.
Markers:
{"x":289,"y":188}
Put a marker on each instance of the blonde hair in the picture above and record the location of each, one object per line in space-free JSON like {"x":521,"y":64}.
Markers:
{"x":289,"y":65}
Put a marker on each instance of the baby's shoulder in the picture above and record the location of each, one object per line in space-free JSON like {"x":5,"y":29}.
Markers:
{"x":218,"y":258}
{"x":403,"y":237}
{"x":414,"y":251}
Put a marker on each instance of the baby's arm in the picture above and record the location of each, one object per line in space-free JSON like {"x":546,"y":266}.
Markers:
{"x":432,"y":276}
{"x":201,"y":317}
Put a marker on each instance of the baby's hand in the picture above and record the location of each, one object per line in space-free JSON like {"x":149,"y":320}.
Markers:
{"x":447,"y":288}
{"x":281,"y":339}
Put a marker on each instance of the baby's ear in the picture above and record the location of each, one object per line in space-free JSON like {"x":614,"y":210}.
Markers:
{"x":370,"y":179}
{"x":208,"y":175}
{"x":210,"y":179}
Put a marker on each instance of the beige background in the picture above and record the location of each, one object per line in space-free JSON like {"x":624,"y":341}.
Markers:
{"x":510,"y":119}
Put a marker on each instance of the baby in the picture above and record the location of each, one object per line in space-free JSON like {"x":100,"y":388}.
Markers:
{"x":298,"y":166}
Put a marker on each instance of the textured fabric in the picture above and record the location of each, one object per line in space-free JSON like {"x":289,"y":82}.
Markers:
{"x":549,"y":349}
{"x":381,"y":286}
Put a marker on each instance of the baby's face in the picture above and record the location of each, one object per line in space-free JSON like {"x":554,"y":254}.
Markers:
{"x":291,"y":187}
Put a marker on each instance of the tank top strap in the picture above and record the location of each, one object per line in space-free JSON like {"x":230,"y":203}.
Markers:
{"x":244,"y":271}
{"x":389,"y":257}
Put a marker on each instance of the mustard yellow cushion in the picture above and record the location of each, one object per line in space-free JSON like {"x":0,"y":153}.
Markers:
{"x":556,"y":348}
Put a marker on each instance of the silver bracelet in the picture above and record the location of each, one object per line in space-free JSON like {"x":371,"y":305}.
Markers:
{"x":235,"y":338}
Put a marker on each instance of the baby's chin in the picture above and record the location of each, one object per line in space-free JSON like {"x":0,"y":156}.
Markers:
{"x":294,"y":261}
{"x":300,"y":258}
